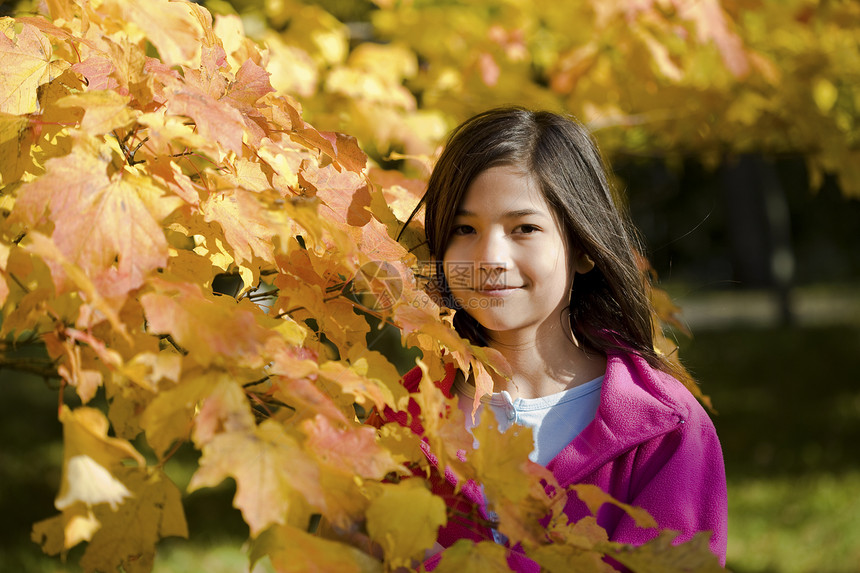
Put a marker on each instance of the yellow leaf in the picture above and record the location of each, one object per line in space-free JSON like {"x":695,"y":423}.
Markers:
{"x":660,"y":555}
{"x":127,"y":537}
{"x":825,"y":94}
{"x":349,"y":380}
{"x":109,"y":225}
{"x":16,"y":137}
{"x":467,"y":555}
{"x":85,"y":433}
{"x":104,"y":110}
{"x":224,"y":409}
{"x":171,"y":27}
{"x":404,"y":535}
{"x":91,"y":484}
{"x":292,"y":550}
{"x":594,"y":498}
{"x":500,"y":459}
{"x":274,"y":477}
{"x":206,"y":325}
{"x":59,"y":533}
{"x":27,"y":64}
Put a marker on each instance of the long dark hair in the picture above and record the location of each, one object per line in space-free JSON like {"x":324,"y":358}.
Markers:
{"x":610,"y":306}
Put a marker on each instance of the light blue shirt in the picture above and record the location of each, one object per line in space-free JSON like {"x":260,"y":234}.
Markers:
{"x":555,"y":420}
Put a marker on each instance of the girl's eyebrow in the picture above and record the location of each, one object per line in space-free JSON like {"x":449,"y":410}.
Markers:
{"x":507,"y":214}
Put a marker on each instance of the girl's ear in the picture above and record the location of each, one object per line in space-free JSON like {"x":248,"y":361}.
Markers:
{"x":584,"y":263}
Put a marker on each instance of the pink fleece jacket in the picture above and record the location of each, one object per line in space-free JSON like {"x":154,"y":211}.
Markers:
{"x":650,"y":445}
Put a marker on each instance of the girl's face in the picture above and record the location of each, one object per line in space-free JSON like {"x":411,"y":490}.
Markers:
{"x":508,"y":263}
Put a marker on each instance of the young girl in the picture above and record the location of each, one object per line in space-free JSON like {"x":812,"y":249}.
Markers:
{"x":539,"y":261}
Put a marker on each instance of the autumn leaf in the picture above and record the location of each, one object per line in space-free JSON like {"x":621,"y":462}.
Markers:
{"x":344,"y":193}
{"x":170,"y":26}
{"x":594,"y":498}
{"x":500,"y":460}
{"x":348,"y":449}
{"x":404,"y":535}
{"x":245,"y":223}
{"x":104,"y":111}
{"x":224,"y":409}
{"x":171,"y":415}
{"x":27,"y":64}
{"x":206,"y":326}
{"x":90,"y":483}
{"x":467,"y":555}
{"x":215,"y":119}
{"x":106,"y":223}
{"x":123,"y":537}
{"x":16,"y":137}
{"x":275,"y":479}
{"x":660,"y":555}
{"x":349,"y":379}
{"x":293,"y":550}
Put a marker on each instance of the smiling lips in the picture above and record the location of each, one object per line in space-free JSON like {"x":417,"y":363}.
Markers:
{"x":496,"y":290}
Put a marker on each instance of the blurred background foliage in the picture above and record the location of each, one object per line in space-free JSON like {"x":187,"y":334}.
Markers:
{"x":733,"y":128}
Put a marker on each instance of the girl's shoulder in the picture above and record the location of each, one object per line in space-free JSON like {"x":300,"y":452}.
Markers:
{"x":635,"y":390}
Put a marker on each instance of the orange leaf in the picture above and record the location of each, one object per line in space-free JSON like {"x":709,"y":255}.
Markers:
{"x":244,"y":221}
{"x":274,"y":477}
{"x":170,"y":26}
{"x":350,"y":450}
{"x":206,"y":326}
{"x":27,"y":64}
{"x":344,"y":193}
{"x":109,"y":225}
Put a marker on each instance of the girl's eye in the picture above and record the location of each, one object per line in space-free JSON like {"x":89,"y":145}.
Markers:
{"x":462,"y":229}
{"x":529,"y":229}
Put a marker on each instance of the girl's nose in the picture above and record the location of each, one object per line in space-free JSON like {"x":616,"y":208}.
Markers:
{"x":492,"y":254}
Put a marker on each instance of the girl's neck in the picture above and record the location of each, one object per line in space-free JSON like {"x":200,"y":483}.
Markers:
{"x":545,"y":360}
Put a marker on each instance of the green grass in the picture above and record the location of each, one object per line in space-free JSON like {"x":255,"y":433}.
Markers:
{"x":789,"y":421}
{"x":795,"y":524}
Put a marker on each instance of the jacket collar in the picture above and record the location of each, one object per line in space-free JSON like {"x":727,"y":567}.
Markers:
{"x":636,"y":405}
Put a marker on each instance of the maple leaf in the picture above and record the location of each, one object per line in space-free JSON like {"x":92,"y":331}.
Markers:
{"x":104,"y":111}
{"x":207,"y":326}
{"x":91,"y":484}
{"x":351,"y":450}
{"x":170,"y":416}
{"x":466,"y":555}
{"x":106,"y":224}
{"x":245,"y":223}
{"x":405,"y":535}
{"x":594,"y":498}
{"x":303,"y":395}
{"x":215,"y":119}
{"x":251,"y":84}
{"x":27,"y":64}
{"x":170,"y":26}
{"x":72,"y":368}
{"x":501,"y":458}
{"x":224,"y":409}
{"x":660,"y":555}
{"x":351,"y":380}
{"x":124,"y":536}
{"x":275,"y":478}
{"x":16,"y":137}
{"x":99,"y":72}
{"x":293,"y":550}
{"x":343,"y":192}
